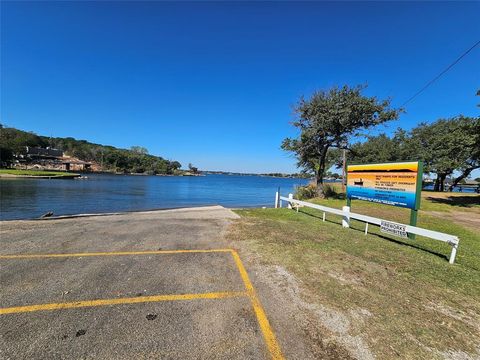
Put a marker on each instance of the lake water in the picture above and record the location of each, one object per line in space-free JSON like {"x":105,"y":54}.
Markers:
{"x":30,"y":198}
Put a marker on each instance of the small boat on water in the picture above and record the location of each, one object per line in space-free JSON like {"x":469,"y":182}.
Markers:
{"x":358,"y":183}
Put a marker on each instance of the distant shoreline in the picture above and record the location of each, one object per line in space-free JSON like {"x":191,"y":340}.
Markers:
{"x":35,"y":174}
{"x":50,"y":174}
{"x":65,"y":177}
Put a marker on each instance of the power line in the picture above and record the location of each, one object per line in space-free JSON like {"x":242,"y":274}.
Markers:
{"x":439,"y":75}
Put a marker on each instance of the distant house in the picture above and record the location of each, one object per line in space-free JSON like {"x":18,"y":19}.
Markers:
{"x":43,"y":153}
{"x":471,"y":183}
{"x":52,"y":159}
{"x":76,"y":165}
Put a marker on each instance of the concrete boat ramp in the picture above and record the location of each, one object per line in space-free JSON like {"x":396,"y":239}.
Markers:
{"x":159,"y":284}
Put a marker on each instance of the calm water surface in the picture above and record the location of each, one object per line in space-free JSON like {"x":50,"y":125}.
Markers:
{"x":30,"y":198}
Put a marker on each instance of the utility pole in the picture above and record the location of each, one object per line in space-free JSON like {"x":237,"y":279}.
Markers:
{"x":343,"y":169}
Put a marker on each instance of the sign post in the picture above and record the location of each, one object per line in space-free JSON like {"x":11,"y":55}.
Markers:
{"x":349,"y":200}
{"x":414,"y":212}
{"x":397,"y":184}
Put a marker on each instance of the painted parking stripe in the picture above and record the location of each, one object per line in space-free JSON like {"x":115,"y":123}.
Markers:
{"x":268,"y":334}
{"x":112,"y":253}
{"x":120,"y":301}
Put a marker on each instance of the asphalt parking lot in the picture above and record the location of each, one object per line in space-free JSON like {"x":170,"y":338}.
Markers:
{"x":141,"y":285}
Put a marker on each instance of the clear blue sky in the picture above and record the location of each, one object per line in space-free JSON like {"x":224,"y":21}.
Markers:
{"x":214,"y":83}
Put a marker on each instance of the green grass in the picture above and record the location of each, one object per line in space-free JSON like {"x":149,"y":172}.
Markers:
{"x":421,"y":305}
{"x":35,"y":173}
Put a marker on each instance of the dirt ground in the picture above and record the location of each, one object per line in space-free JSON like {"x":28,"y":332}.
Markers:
{"x":470,"y":220}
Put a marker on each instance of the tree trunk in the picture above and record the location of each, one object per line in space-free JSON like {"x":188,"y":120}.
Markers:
{"x":321,"y":172}
{"x":436,"y":187}
{"x":466,"y":173}
{"x":442,"y":182}
{"x":319,"y":182}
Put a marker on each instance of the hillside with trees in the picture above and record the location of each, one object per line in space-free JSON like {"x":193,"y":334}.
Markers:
{"x":13,"y":143}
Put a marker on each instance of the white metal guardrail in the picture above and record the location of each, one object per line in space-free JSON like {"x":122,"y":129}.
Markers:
{"x":452,"y":240}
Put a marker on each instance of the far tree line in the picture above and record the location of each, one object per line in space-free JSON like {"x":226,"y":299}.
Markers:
{"x":335,"y":120}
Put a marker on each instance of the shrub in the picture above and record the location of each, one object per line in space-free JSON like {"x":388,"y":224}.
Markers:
{"x":306,"y":192}
{"x":329,"y":191}
{"x":310,"y":191}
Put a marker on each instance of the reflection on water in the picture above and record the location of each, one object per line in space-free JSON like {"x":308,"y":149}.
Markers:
{"x":30,"y":198}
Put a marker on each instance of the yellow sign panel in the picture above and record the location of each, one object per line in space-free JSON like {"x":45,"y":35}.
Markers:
{"x":389,"y":183}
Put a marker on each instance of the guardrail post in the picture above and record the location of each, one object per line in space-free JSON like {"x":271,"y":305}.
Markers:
{"x":453,"y":254}
{"x":277,"y":199}
{"x":290,"y":196}
{"x":346,"y":217}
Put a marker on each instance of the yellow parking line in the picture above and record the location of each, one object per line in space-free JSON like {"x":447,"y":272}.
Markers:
{"x":268,"y":334}
{"x":113,"y":253}
{"x":133,"y":300}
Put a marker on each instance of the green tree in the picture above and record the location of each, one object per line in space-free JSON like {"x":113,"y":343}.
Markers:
{"x":468,"y":132}
{"x":175,"y":165}
{"x":381,"y":148}
{"x":329,"y":119}
{"x":192,"y":168}
{"x":17,"y":140}
{"x":447,"y":145}
{"x":6,"y":156}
